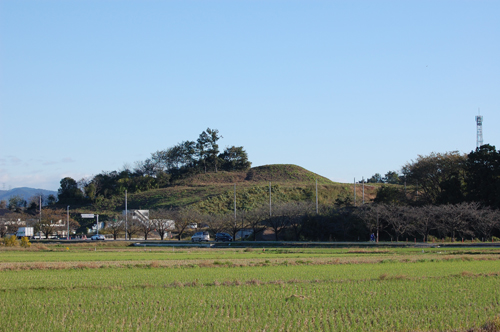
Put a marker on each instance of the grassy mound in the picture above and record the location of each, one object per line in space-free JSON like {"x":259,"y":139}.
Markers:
{"x":284,"y":173}
{"x":214,"y":192}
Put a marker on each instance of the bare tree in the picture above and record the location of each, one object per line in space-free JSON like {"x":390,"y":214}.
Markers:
{"x":454,"y":219}
{"x":234,"y":225}
{"x":399,"y":220}
{"x":215,"y":223}
{"x":51,"y":221}
{"x":132,"y":227}
{"x":424,"y":219}
{"x":283,"y":216}
{"x":372,"y":215}
{"x":254,"y":220}
{"x":184,"y":217}
{"x":9,"y":223}
{"x":162,"y":221}
{"x":485,"y":221}
{"x":145,"y":227}
{"x":116,"y":225}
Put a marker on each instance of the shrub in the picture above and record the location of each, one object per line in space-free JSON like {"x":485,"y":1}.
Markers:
{"x":10,"y":241}
{"x":25,"y":242}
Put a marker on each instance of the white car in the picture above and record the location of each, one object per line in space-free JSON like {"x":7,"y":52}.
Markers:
{"x":98,"y":237}
{"x":200,"y":236}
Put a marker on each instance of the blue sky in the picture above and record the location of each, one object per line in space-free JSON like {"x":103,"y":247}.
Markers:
{"x":342,"y":88}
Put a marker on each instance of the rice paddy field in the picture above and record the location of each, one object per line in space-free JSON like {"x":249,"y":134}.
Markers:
{"x":119,"y":288}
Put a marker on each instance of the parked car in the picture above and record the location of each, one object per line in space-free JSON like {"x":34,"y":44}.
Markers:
{"x":223,"y":237}
{"x":200,"y":236}
{"x":98,"y":237}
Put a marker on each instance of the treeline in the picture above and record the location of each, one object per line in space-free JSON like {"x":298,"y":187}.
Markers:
{"x":298,"y":221}
{"x":443,"y":195}
{"x":18,"y":204}
{"x":52,"y":221}
{"x":158,"y":171}
{"x":293,"y":221}
{"x":448,"y":178}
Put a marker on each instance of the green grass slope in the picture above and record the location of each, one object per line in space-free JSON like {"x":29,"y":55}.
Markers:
{"x":284,"y":173}
{"x":214,"y":192}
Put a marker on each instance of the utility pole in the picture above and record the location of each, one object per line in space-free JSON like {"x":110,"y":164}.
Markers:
{"x":354,"y":191}
{"x":67,"y":218}
{"x":316,"y":196}
{"x":235,"y":209}
{"x":270,"y":199}
{"x":126,"y":215}
{"x":39,"y":232}
{"x":363,"y":180}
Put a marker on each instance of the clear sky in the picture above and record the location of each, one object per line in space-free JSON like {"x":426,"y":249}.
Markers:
{"x":342,"y":88}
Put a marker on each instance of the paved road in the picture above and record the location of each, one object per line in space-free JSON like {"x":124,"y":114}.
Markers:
{"x":285,"y":244}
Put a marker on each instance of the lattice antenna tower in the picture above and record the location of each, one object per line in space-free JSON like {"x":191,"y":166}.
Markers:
{"x":479,"y":125}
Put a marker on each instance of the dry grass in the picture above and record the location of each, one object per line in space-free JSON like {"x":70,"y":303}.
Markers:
{"x":254,"y":282}
{"x":466,"y":274}
{"x":177,"y":283}
{"x":154,"y":264}
{"x":491,"y":326}
{"x":364,"y":251}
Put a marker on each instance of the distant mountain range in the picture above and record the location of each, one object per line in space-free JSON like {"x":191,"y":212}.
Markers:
{"x":25,"y":193}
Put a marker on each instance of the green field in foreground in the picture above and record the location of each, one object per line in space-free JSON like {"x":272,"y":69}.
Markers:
{"x":301,"y":290}
{"x":90,"y":253}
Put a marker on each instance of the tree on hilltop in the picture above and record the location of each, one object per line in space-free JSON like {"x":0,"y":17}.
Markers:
{"x":69,"y":193}
{"x":234,"y":159}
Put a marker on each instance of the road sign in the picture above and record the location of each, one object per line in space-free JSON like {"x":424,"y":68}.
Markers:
{"x":87,"y":215}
